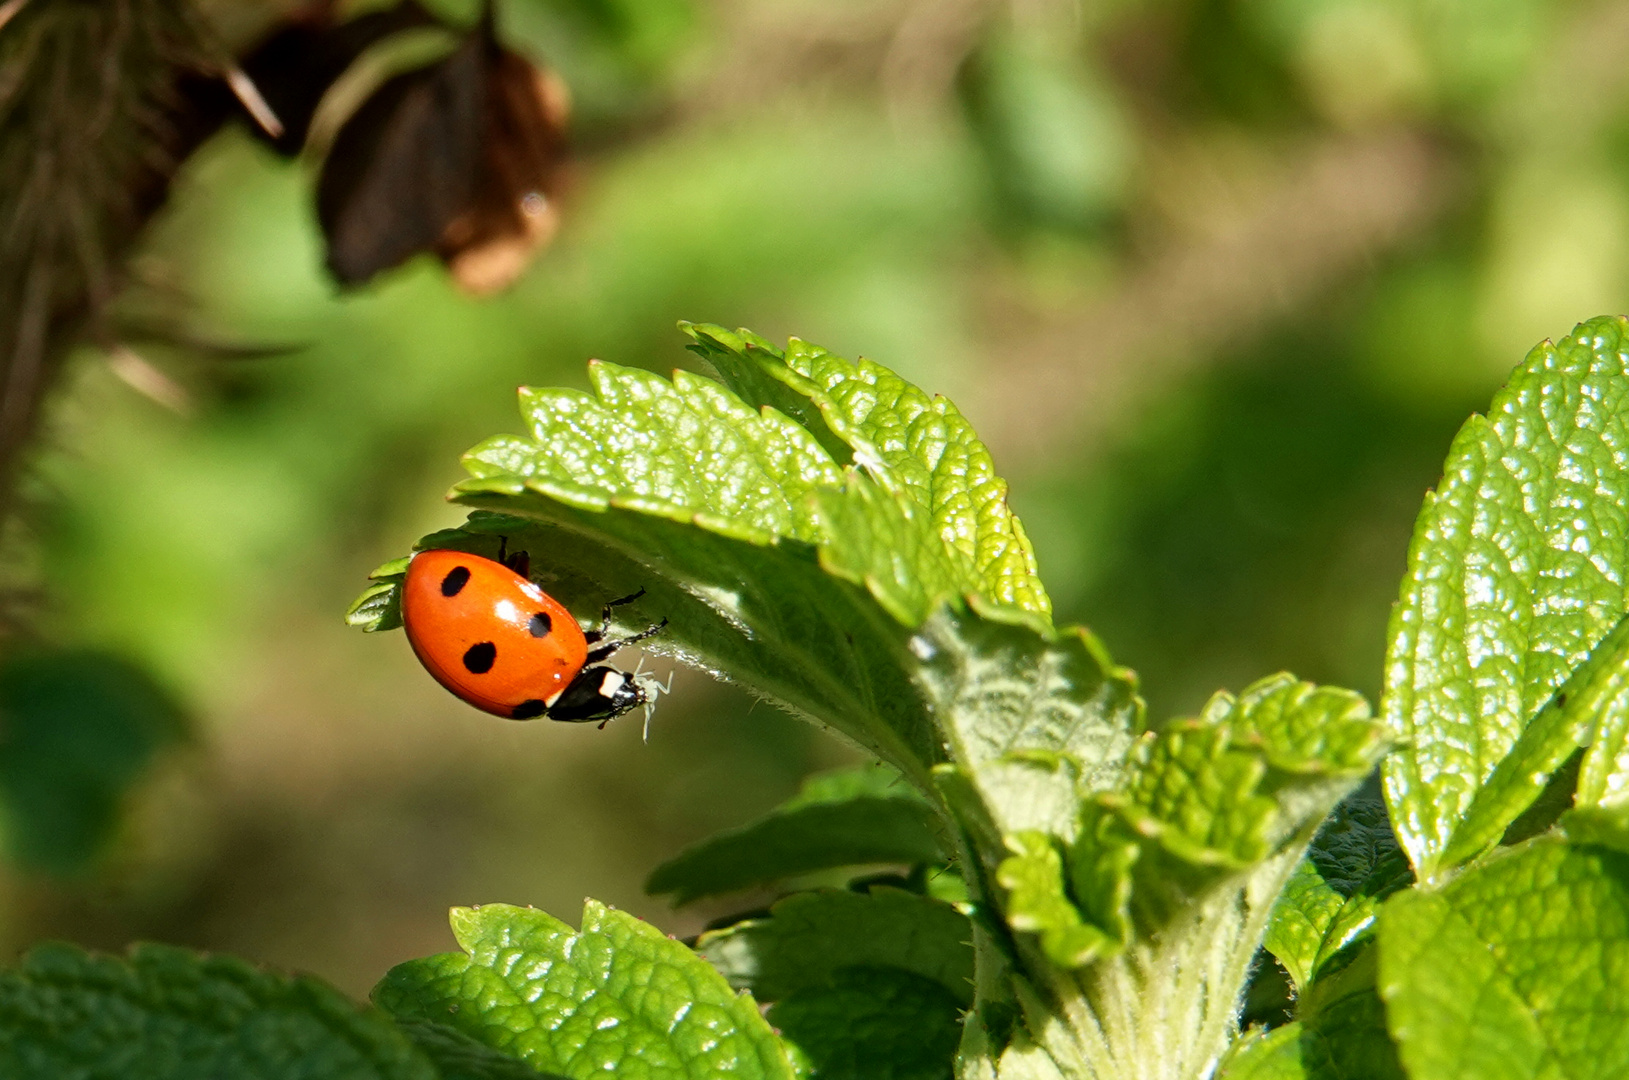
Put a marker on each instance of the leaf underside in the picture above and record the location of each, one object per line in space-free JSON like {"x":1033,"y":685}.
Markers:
{"x":860,"y":817}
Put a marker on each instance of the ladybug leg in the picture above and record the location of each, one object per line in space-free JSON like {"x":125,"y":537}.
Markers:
{"x":605,"y":616}
{"x":605,"y":650}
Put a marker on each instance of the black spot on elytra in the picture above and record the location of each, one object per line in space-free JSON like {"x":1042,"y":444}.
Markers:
{"x":478,"y":658}
{"x":528,"y":709}
{"x":540,"y":625}
{"x":454,"y":582}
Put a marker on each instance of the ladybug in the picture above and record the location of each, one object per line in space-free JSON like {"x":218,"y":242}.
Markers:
{"x":505,"y":646}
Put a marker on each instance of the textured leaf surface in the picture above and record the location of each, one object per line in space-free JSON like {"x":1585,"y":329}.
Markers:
{"x":800,"y":578}
{"x":847,"y":819}
{"x":687,"y":449}
{"x":1343,"y":1026}
{"x":1216,"y":794}
{"x":76,"y":730}
{"x":1332,"y":898}
{"x":1595,"y":697}
{"x":1266,"y":1055}
{"x":1517,"y":569}
{"x":617,"y":996}
{"x":1038,"y":902}
{"x":1517,"y":968}
{"x":909,"y":440}
{"x":810,"y":935}
{"x":169,"y":1014}
{"x":873,"y":1024}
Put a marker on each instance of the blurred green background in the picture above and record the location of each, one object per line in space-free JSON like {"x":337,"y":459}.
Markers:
{"x":1216,"y":279}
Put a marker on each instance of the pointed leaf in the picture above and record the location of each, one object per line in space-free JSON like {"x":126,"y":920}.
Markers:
{"x":1517,"y":569}
{"x":911,"y":441}
{"x":1515,"y":969}
{"x":810,"y":935}
{"x":169,"y":1014}
{"x":618,"y":995}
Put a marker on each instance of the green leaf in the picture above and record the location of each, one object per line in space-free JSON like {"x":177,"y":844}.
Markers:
{"x":687,"y":449}
{"x":873,"y":1024}
{"x":380,"y":606}
{"x":1603,"y":776}
{"x":1259,"y":1054}
{"x":846,"y":819}
{"x":1597,"y":695}
{"x":1038,"y":902}
{"x":1515,"y":573}
{"x":1331,"y":900}
{"x":76,"y":730}
{"x":1215,"y":795}
{"x":1603,"y":826}
{"x":456,"y":1056}
{"x":1033,"y":718}
{"x":1343,"y":1025}
{"x":618,"y":995}
{"x":810,"y":935}
{"x":911,"y":442}
{"x":1514,"y":969}
{"x":169,"y":1014}
{"x":756,"y":371}
{"x":1172,"y":877}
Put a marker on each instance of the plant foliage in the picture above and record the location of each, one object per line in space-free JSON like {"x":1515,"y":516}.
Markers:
{"x":1085,"y":893}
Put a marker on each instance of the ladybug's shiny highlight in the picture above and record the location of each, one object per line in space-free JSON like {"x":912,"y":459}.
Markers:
{"x":505,"y":646}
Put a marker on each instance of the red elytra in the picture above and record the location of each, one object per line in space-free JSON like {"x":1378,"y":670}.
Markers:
{"x":495,"y":639}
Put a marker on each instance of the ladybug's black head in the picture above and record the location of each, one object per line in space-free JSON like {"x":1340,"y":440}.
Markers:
{"x":597,"y":693}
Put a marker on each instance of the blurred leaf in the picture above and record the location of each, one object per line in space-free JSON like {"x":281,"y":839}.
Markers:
{"x":168,"y":1014}
{"x":1331,"y":899}
{"x":867,"y":1023}
{"x":1515,"y":574}
{"x":1056,"y":143}
{"x":848,"y":818}
{"x":1514,"y":969}
{"x":619,"y":995}
{"x":810,"y":935}
{"x":456,"y":1056}
{"x":1259,"y":1054}
{"x":76,"y":730}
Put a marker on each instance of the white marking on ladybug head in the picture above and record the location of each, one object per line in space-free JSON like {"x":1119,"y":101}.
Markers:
{"x":612,"y":682}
